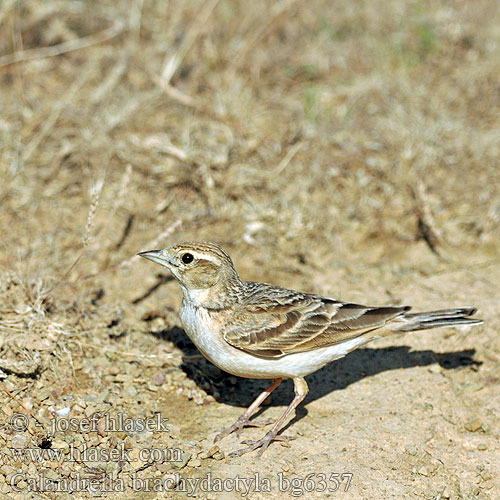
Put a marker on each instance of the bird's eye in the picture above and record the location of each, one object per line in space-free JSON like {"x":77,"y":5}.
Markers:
{"x":187,"y":258}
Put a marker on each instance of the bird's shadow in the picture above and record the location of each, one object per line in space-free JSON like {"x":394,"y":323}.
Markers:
{"x":361,"y":363}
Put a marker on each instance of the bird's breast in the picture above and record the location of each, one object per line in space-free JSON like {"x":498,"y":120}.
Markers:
{"x":205,"y":330}
{"x":205,"y":327}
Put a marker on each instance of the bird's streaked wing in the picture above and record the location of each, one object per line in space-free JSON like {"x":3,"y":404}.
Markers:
{"x":273,"y":321}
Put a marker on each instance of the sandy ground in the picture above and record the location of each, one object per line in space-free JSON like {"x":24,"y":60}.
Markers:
{"x":347,"y":149}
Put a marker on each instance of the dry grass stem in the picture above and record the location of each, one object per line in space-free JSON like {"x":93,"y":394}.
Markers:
{"x":288,"y":158}
{"x":62,"y":48}
{"x":172,"y":62}
{"x":95,"y":193}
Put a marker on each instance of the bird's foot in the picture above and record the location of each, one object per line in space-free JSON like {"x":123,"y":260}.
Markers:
{"x":262,"y":444}
{"x":239,"y":425}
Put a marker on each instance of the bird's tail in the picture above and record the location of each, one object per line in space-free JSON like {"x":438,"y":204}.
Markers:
{"x":433,"y":319}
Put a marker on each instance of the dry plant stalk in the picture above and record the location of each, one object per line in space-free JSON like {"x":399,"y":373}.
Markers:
{"x":95,"y":193}
{"x":426,"y":225}
{"x":62,"y":48}
{"x":172,"y":63}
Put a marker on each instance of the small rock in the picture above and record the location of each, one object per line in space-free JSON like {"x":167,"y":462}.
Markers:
{"x":486,"y":475}
{"x":158,"y":379}
{"x":210,"y":453}
{"x":7,"y":470}
{"x":114,"y":370}
{"x":445,"y":494}
{"x":78,"y":408}
{"x":101,"y":427}
{"x":51,"y":474}
{"x":19,"y":484}
{"x":130,"y":390}
{"x":63,"y":412}
{"x":411,"y":450}
{"x":473,"y":425}
{"x":136,"y":458}
{"x":128,"y":443}
{"x":287,"y":466}
{"x":172,"y":480}
{"x":423,"y":471}
{"x":43,"y":394}
{"x":485,"y":427}
{"x":186,"y":455}
{"x":144,"y":436}
{"x":59,"y":444}
{"x":164,"y":467}
{"x":28,"y":403}
{"x":19,"y":441}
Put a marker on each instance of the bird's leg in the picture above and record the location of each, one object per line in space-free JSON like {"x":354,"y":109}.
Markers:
{"x":244,"y":420}
{"x":301,"y":390}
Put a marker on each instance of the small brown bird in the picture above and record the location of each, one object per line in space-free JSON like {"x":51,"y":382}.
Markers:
{"x":257,"y":330}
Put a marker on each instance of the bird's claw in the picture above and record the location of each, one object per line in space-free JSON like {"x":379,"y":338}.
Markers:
{"x":239,"y":425}
{"x":261,"y":443}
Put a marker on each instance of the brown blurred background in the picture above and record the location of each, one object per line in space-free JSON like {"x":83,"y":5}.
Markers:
{"x":346,"y":148}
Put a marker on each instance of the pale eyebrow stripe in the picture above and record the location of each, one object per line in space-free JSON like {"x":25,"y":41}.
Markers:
{"x":205,"y":250}
{"x":205,"y":256}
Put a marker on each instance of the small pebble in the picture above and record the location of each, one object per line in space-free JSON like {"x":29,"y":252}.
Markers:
{"x":473,"y":425}
{"x":445,"y":494}
{"x":186,"y":455}
{"x":158,"y":378}
{"x":173,"y":480}
{"x":411,"y":450}
{"x":19,"y":441}
{"x":63,"y":412}
{"x":423,"y":471}
{"x":28,"y":403}
{"x":59,"y":444}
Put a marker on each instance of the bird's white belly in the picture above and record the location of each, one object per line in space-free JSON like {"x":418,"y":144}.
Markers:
{"x":199,"y":327}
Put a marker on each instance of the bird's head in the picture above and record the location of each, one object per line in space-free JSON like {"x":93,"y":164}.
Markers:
{"x":204,"y":270}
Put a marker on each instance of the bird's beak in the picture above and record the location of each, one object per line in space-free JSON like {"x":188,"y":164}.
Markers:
{"x":155,"y":256}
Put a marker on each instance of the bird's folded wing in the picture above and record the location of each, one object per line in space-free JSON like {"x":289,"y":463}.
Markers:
{"x":280,"y":321}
